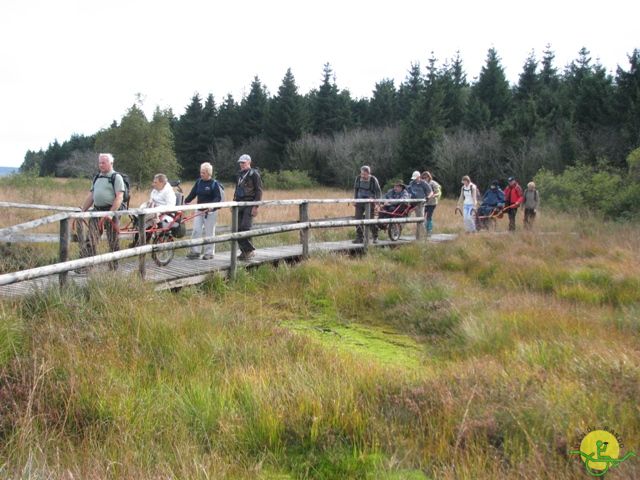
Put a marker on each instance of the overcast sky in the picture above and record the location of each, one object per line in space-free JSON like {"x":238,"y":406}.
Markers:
{"x":71,"y":66}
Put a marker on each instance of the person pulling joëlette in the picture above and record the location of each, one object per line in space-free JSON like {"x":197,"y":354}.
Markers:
{"x":513,"y":198}
{"x":365,"y":186}
{"x":106,"y":194}
{"x":467,"y":203}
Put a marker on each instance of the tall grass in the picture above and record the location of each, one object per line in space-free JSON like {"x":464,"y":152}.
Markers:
{"x":483,"y":358}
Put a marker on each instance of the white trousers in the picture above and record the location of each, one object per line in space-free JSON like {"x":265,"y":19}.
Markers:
{"x":204,"y":226}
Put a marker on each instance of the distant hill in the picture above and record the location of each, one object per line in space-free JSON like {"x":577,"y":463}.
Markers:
{"x":7,"y":170}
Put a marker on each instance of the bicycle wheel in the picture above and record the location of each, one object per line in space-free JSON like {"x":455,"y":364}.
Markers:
{"x":394,"y":230}
{"x":162,"y":257}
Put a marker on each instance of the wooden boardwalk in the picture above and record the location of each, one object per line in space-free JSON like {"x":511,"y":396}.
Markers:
{"x":183,"y":272}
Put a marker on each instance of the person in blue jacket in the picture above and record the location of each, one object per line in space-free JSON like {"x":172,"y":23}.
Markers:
{"x":493,"y":198}
{"x":206,"y":190}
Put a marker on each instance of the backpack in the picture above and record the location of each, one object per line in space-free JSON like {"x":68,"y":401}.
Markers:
{"x":221,"y":187}
{"x":372,"y":184}
{"x":126,"y":196}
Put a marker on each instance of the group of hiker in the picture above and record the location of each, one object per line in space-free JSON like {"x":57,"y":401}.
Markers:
{"x":421,"y":187}
{"x":109,"y":192}
{"x":495,"y":202}
{"x":109,"y":189}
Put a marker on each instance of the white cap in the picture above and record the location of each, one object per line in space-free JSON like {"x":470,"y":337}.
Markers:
{"x":244,"y":158}
{"x":415,"y":175}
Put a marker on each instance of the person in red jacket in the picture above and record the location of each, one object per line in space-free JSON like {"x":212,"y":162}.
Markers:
{"x":513,"y":197}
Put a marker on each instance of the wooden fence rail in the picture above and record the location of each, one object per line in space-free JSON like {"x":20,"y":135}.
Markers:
{"x":303,"y":225}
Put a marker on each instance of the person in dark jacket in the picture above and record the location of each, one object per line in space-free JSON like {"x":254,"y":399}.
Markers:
{"x":398,"y":192}
{"x":493,"y":198}
{"x":205,"y":190}
{"x":513,"y":197}
{"x":365,"y":186}
{"x":248,"y":189}
{"x":419,"y":188}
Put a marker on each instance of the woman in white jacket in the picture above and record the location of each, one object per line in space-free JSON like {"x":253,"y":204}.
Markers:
{"x":468,"y":202}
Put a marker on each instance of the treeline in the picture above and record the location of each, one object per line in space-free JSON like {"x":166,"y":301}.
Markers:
{"x":435,"y":119}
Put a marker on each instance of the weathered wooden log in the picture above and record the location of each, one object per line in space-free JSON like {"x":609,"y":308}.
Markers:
{"x":65,"y":241}
{"x":33,"y":224}
{"x":55,"y":208}
{"x":304,"y":233}
{"x":32,"y":238}
{"x":142,"y":239}
{"x":233,"y":266}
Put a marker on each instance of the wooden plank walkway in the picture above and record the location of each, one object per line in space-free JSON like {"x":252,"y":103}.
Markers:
{"x":182,"y":272}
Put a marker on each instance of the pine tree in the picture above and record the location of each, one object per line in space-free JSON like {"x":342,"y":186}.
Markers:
{"x":383,"y":109}
{"x":409,"y":90}
{"x":628,"y":101}
{"x":492,"y":88}
{"x":284,"y":119}
{"x":424,"y":126}
{"x":588,"y":107}
{"x":326,"y":105}
{"x":190,"y":145}
{"x":53,"y":155}
{"x":252,"y":111}
{"x":228,"y":121}
{"x":32,"y":162}
{"x":456,"y":92}
{"x":209,"y":119}
{"x":528,"y":82}
{"x":523,"y":121}
{"x":590,"y":93}
{"x":549,"y":91}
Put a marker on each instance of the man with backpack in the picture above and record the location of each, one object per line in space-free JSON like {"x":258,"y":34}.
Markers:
{"x":108,"y":192}
{"x":366,"y":186}
{"x":248,"y":189}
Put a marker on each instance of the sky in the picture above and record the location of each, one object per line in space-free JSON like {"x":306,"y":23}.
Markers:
{"x":70,"y":66}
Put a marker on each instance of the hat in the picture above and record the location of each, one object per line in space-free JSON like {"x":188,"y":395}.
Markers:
{"x":399,"y":182}
{"x":494,"y":183}
{"x":415,"y":175}
{"x":244,"y":158}
{"x":510,"y":179}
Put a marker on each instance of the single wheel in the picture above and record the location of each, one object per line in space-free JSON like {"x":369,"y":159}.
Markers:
{"x":395,"y":230}
{"x":162,"y":257}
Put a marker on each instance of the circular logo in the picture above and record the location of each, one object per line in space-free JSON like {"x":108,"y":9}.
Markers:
{"x":599,"y":444}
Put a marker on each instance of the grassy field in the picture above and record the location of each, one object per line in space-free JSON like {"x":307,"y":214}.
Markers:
{"x":484,"y":358}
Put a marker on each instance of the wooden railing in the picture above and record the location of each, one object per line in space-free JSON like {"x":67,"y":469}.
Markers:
{"x":304,"y":225}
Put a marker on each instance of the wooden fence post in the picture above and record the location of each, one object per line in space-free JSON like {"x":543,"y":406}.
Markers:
{"x":304,"y":233}
{"x":420,"y":225}
{"x":142,"y":239}
{"x":365,"y":233}
{"x":233,"y":266}
{"x":65,"y":239}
